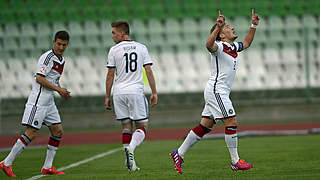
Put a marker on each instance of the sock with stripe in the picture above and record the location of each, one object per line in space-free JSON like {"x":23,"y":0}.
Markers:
{"x":126,"y":138}
{"x":53,"y":145}
{"x":17,"y":148}
{"x":137,"y":137}
{"x":231,"y":139}
{"x":193,"y":137}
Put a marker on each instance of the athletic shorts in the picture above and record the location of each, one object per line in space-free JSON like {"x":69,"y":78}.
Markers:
{"x":217,"y":106}
{"x":131,"y":106}
{"x":35,"y":116}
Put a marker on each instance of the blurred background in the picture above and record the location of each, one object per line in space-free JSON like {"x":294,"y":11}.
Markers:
{"x":277,"y":81}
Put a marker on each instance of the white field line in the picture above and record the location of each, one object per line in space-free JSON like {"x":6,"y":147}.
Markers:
{"x":80,"y":162}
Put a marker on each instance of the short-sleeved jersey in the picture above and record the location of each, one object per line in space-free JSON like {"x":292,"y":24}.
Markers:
{"x":224,"y":63}
{"x":128,"y":58}
{"x":51,"y":67}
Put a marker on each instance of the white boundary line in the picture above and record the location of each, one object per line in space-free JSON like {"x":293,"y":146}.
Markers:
{"x":80,"y":162}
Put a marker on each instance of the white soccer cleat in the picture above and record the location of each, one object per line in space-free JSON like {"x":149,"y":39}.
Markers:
{"x":129,"y":158}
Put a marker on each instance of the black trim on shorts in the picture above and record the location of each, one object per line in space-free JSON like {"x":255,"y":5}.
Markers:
{"x":111,"y":66}
{"x":123,"y":119}
{"x":30,"y":126}
{"x":54,"y":124}
{"x":218,"y":119}
{"x":140,"y":119}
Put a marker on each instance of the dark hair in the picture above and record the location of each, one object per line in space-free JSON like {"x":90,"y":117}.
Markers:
{"x":63,"y":35}
{"x":218,"y":35}
{"x":121,"y":25}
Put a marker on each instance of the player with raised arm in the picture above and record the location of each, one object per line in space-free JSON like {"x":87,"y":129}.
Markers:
{"x":218,"y":106}
{"x":126,"y":59}
{"x":40,"y":107}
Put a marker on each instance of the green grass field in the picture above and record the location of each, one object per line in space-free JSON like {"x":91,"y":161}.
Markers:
{"x":278,"y":157}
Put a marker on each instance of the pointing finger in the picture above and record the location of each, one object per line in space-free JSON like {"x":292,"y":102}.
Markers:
{"x":252,"y":12}
{"x":219,"y":13}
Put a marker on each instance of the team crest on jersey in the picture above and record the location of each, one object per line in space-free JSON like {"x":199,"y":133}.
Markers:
{"x":230,"y":51}
{"x":58,"y":67}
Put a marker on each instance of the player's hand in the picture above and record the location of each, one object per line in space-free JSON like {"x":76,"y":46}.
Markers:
{"x":64,"y":93}
{"x":221,"y":20}
{"x":107,"y":104}
{"x":254,"y":18}
{"x":153,"y":100}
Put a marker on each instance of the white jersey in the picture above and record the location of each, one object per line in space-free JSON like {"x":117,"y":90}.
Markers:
{"x":51,"y":67}
{"x":224,"y":63}
{"x":129,"y":58}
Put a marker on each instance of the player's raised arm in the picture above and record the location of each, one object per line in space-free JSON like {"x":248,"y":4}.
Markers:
{"x":249,"y":37}
{"x":211,"y":45}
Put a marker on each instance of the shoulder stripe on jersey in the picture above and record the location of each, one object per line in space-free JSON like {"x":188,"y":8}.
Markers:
{"x":32,"y":114}
{"x":222,"y":108}
{"x":216,"y":79}
{"x":49,"y":56}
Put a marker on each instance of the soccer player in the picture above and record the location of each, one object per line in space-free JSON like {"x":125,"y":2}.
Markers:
{"x":218,"y":106}
{"x":126,"y":59}
{"x":40,"y":107}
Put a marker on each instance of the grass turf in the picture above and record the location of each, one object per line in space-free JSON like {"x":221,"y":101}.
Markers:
{"x":277,"y":157}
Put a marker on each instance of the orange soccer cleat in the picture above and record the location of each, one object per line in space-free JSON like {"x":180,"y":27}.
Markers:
{"x":51,"y":171}
{"x":7,"y":169}
{"x":241,"y":165}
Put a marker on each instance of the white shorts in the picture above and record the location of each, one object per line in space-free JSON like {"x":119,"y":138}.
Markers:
{"x":217,"y":106}
{"x":35,"y":116}
{"x":131,"y":106}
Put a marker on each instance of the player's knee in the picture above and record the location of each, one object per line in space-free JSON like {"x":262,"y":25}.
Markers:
{"x":207,"y":122}
{"x":31,"y":133}
{"x":230,"y":122}
{"x":58,"y":133}
{"x":142,"y":124}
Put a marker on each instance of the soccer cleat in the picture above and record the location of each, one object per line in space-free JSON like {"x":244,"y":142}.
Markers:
{"x":130,"y":158}
{"x":241,"y":165}
{"x":177,"y":160}
{"x":51,"y":171}
{"x":7,"y":169}
{"x":134,"y":166}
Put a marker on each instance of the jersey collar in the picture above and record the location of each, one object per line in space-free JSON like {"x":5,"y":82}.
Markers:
{"x":57,"y":56}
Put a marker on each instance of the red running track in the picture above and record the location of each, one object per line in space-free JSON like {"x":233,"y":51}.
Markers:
{"x":101,"y":137}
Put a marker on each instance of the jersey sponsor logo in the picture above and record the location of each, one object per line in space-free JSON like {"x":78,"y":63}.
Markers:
{"x":229,"y":51}
{"x":58,"y":67}
{"x":230,"y":111}
{"x":36,"y":123}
